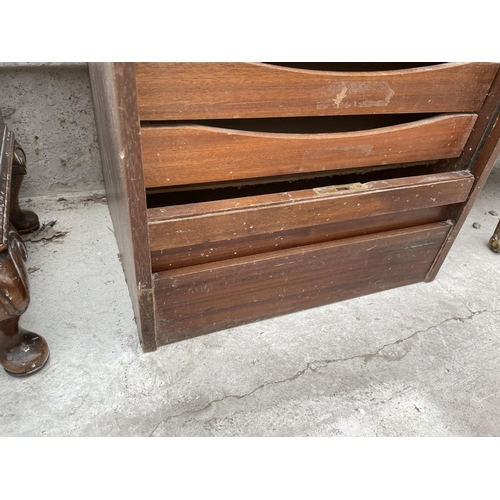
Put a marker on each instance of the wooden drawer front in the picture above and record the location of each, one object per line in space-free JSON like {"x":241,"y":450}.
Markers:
{"x":179,"y":155}
{"x":210,"y":297}
{"x":206,"y":232}
{"x":193,"y":91}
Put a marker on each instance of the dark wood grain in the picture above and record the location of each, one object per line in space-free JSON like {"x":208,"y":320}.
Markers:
{"x":6,"y":158}
{"x":191,"y":91}
{"x":485,"y":162}
{"x":206,"y":232}
{"x":301,"y":250}
{"x":180,"y":155}
{"x":210,"y":297}
{"x":174,"y":258}
{"x":115,"y":108}
{"x":481,"y":129}
{"x":21,"y":352}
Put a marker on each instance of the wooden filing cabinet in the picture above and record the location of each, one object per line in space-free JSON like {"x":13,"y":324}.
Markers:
{"x":242,"y":191}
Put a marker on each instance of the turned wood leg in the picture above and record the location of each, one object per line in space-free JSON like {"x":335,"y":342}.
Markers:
{"x":21,"y":352}
{"x":495,"y":239}
{"x":24,"y":221}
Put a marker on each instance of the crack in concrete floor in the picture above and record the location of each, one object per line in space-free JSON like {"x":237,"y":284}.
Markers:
{"x":313,"y":366}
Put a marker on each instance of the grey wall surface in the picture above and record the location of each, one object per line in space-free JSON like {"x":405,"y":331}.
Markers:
{"x":49,"y":108}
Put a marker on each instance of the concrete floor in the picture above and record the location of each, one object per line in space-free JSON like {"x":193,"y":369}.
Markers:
{"x":417,"y":361}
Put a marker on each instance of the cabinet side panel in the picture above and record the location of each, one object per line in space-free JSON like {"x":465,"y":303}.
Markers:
{"x":115,"y":109}
{"x":481,"y":128}
{"x":481,"y":170}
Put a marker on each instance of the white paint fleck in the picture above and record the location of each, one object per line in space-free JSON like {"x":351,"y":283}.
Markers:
{"x":340,"y":96}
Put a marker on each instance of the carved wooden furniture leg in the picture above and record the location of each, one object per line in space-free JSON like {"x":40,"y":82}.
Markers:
{"x":495,"y":239}
{"x":21,"y":352}
{"x":24,"y":221}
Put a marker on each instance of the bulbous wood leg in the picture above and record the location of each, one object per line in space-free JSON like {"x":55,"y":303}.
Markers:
{"x":21,"y":352}
{"x":24,"y":221}
{"x":495,"y":239}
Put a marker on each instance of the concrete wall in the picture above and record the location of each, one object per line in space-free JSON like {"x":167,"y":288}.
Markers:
{"x":49,"y":108}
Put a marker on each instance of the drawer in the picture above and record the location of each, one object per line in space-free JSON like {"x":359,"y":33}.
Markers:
{"x":210,"y":297}
{"x":243,"y":191}
{"x":193,"y":91}
{"x":197,"y":233}
{"x":189,"y":154}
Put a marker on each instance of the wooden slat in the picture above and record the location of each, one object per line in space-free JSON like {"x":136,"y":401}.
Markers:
{"x":205,"y":232}
{"x":6,"y":158}
{"x":210,"y":297}
{"x":115,"y":108}
{"x":179,"y":155}
{"x":192,"y":91}
{"x":174,"y":258}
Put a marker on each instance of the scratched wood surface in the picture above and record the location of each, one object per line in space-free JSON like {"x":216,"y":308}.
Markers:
{"x":175,"y":258}
{"x":6,"y":157}
{"x":322,"y":251}
{"x":192,"y":91}
{"x":206,"y":232}
{"x":481,"y":129}
{"x":206,"y":298}
{"x":481,"y":169}
{"x":189,"y":154}
{"x":115,"y":107}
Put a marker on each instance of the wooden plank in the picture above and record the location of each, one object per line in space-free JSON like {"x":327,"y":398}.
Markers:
{"x":6,"y":158}
{"x":188,"y":154}
{"x":205,"y":232}
{"x":115,"y":108}
{"x":485,"y":162}
{"x":203,"y":299}
{"x":174,"y":258}
{"x":192,"y":91}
